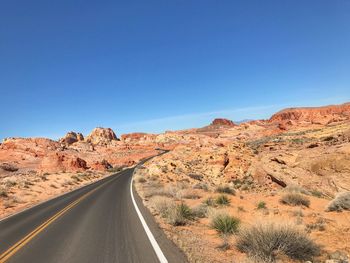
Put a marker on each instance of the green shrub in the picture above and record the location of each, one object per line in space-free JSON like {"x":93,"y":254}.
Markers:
{"x":225,"y":224}
{"x":261,"y":205}
{"x":263,"y":241}
{"x":222,"y":200}
{"x":295,"y":199}
{"x":225,"y":190}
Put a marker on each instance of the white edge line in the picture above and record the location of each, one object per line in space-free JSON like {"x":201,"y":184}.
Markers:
{"x":157,"y":249}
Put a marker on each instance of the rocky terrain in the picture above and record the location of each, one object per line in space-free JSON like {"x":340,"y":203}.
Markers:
{"x":298,"y":153}
{"x":284,"y":170}
{"x":35,"y":169}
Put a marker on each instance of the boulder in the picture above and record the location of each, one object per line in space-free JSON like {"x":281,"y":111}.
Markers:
{"x":101,"y":136}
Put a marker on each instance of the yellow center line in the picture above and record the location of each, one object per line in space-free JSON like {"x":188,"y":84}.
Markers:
{"x":13,"y":249}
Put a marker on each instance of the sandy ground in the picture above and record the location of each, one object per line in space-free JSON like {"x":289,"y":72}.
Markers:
{"x":20,"y":192}
{"x":202,"y":244}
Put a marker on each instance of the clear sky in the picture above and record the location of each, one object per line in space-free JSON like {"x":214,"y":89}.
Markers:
{"x":161,"y":65}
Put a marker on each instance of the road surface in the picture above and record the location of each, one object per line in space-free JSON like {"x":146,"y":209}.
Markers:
{"x":96,"y":223}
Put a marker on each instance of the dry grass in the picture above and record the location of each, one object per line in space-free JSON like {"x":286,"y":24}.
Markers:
{"x":295,"y":199}
{"x":161,"y":204}
{"x":263,"y":242}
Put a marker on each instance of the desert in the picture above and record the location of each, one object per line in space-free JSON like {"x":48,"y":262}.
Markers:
{"x":287,"y":173}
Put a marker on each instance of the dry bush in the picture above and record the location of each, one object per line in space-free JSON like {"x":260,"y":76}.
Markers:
{"x":200,"y":211}
{"x":298,"y":213}
{"x":262,"y":242}
{"x":201,"y":186}
{"x":161,"y":204}
{"x":340,"y":202}
{"x":3,"y":192}
{"x":197,"y":177}
{"x":209,"y":202}
{"x":141,"y":180}
{"x":179,"y":214}
{"x":295,"y":199}
{"x":296,"y":189}
{"x":225,"y":190}
{"x":319,"y":225}
{"x":25,"y":184}
{"x":188,"y":194}
{"x":10,"y":183}
{"x":11,"y":202}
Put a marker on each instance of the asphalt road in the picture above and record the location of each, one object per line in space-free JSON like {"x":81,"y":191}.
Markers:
{"x":96,"y":223}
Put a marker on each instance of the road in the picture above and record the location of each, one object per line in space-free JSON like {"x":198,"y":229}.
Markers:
{"x":96,"y":223}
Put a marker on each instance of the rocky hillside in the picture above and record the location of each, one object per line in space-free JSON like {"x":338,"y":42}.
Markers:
{"x":285,"y":170}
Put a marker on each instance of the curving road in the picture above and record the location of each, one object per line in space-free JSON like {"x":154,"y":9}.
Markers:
{"x":96,"y":223}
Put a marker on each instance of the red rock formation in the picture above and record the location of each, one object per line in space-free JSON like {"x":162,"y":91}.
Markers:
{"x":137,"y":136}
{"x":101,"y":136}
{"x":71,"y":137}
{"x":315,"y":115}
{"x":57,"y":162}
{"x":223,"y":122}
{"x":101,"y":165}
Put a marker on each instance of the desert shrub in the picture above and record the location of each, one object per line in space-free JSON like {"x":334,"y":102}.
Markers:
{"x":261,"y":205}
{"x":190,"y":195}
{"x":296,"y":189}
{"x":141,"y":180}
{"x":154,"y":177}
{"x":298,"y":213}
{"x":25,"y":184}
{"x":115,"y":169}
{"x":225,"y":224}
{"x":8,"y":167}
{"x":150,"y":192}
{"x":161,"y":204}
{"x":76,"y":178}
{"x":225,"y":190}
{"x":319,"y":225}
{"x":197,"y":177}
{"x":202,"y":186}
{"x":316,"y":193}
{"x":200,"y":211}
{"x":340,"y":202}
{"x":10,"y":183}
{"x":209,"y":201}
{"x":222,"y":200}
{"x":263,"y":241}
{"x":3,"y":192}
{"x":295,"y":199}
{"x":240,"y":209}
{"x":179,"y":214}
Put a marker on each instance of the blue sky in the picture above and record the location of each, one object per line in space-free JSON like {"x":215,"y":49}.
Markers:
{"x":161,"y":65}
